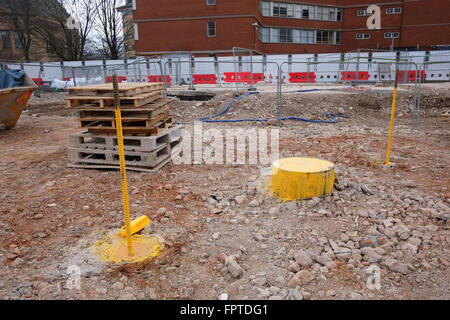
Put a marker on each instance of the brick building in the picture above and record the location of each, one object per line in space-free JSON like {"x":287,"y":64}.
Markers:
{"x":11,"y":48}
{"x":128,"y":28}
{"x":286,"y":26}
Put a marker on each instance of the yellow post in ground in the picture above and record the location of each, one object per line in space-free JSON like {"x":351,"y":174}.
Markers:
{"x":123,"y":170}
{"x":391,"y":127}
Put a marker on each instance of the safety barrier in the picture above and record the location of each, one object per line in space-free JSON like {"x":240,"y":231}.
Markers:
{"x":39,"y":81}
{"x":348,"y":75}
{"x":205,"y":79}
{"x":363,"y":76}
{"x":154,"y":79}
{"x":258,"y":77}
{"x":412,"y":75}
{"x":355,"y":76}
{"x":120,"y":79}
{"x":243,"y":77}
{"x":302,"y":77}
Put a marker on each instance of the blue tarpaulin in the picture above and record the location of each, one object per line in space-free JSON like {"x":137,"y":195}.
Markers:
{"x":11,"y":78}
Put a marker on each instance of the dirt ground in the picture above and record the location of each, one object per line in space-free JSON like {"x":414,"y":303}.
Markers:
{"x":224,"y":233}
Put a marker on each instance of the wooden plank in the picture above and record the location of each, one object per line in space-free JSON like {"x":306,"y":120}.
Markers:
{"x":113,"y":167}
{"x":96,"y":98}
{"x":86,"y":140}
{"x":176,"y":149}
{"x":148,"y":107}
{"x":103,"y":123}
{"x":155,"y":130}
{"x":126,"y":114}
{"x":125,"y":89}
{"x":137,"y":100}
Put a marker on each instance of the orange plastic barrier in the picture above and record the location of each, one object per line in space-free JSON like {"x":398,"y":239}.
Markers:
{"x":205,"y":79}
{"x":243,"y":77}
{"x":348,"y":75}
{"x":154,"y":79}
{"x":38,"y":81}
{"x":302,"y":77}
{"x":363,"y":75}
{"x":119,"y":79}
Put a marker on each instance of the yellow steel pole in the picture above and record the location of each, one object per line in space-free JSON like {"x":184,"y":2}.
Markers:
{"x":391,"y":127}
{"x":123,"y":170}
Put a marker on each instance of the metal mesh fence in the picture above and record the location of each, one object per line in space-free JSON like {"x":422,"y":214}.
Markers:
{"x":243,"y":72}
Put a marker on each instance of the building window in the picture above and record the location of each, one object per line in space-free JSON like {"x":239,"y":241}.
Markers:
{"x":323,"y":37}
{"x":210,"y":2}
{"x":362,"y":36}
{"x":286,"y":35}
{"x":6,"y":39}
{"x":338,"y":37}
{"x":274,"y":35}
{"x":265,"y":34}
{"x":307,"y":36}
{"x":305,"y":14}
{"x":299,"y":11}
{"x":281,"y":10}
{"x":393,"y":10}
{"x":323,"y":13}
{"x":211,"y":29}
{"x":264,"y":7}
{"x":136,"y":32}
{"x":17,"y":41}
{"x":391,"y":35}
{"x":319,"y":13}
{"x":332,"y":14}
{"x":298,"y":36}
{"x":339,"y":15}
{"x":363,"y":13}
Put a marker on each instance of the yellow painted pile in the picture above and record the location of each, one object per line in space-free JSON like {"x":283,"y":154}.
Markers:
{"x":114,"y":249}
{"x":302,"y":178}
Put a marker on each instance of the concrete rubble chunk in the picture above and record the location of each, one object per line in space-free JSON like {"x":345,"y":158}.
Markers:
{"x":233,"y":267}
{"x":303,"y":259}
{"x":396,"y":266}
{"x":301,"y":278}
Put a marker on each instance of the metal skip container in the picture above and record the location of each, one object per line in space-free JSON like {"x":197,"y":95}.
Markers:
{"x":13,"y":101}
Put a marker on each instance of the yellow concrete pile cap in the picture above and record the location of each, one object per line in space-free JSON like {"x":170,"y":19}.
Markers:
{"x":113,"y":248}
{"x":302,"y":178}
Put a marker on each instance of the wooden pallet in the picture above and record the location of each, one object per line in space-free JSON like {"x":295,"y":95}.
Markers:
{"x":147,"y":112}
{"x":86,"y":140}
{"x":103,"y":102}
{"x":127,"y":122}
{"x":129,"y":168}
{"x":175,"y":149}
{"x":157,"y":128}
{"x":111,"y":157}
{"x":106,"y":90}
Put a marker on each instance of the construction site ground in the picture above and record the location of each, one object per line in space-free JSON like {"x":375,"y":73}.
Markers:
{"x":224,"y":233}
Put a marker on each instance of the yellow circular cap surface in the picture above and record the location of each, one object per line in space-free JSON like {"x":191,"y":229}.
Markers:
{"x":113,"y":248}
{"x":304,"y":165}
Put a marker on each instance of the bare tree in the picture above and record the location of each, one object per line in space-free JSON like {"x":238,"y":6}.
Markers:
{"x":110,"y":29}
{"x":68,"y":26}
{"x":22,"y":16}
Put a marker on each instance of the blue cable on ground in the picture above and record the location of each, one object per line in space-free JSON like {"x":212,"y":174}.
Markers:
{"x":334,"y":120}
{"x":210,"y":119}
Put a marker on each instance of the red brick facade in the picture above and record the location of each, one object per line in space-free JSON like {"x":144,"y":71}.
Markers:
{"x":165,"y":27}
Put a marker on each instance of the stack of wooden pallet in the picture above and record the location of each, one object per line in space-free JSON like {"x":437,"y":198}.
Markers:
{"x":149,"y":135}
